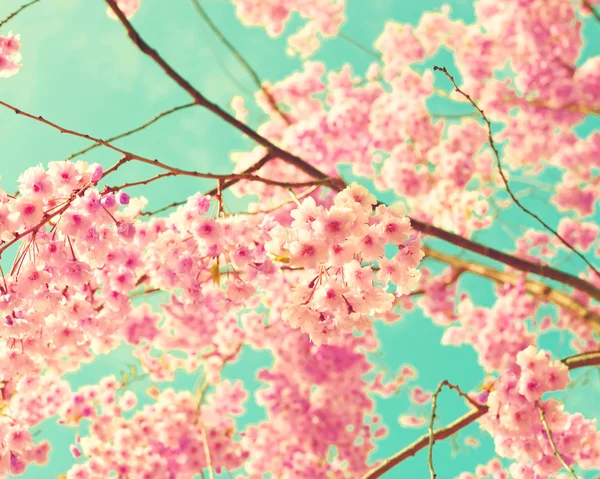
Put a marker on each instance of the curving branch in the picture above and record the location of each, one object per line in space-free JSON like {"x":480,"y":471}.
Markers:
{"x":573,"y":362}
{"x":134,"y":130}
{"x":503,"y":176}
{"x":240,"y":59}
{"x":17,"y":11}
{"x":338,"y":184}
{"x":552,"y":443}
{"x":129,"y":156}
{"x":535,"y":288}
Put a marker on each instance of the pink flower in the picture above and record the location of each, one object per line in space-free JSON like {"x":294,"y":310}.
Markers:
{"x":308,"y":253}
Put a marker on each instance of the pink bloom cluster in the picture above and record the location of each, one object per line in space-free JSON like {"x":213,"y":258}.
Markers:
{"x":324,"y":17}
{"x":497,"y":334}
{"x":9,"y":55}
{"x":339,"y":247}
{"x":165,"y":439}
{"x":26,"y":402}
{"x":308,"y":415}
{"x":381,"y":132}
{"x":515,"y":424}
{"x":492,"y":469}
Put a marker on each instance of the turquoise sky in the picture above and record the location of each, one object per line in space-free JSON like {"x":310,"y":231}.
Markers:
{"x":81,"y":71}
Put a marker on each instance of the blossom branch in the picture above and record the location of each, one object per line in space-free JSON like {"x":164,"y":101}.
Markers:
{"x":129,"y":156}
{"x":240,"y":59}
{"x":17,"y":11}
{"x":503,"y":176}
{"x":535,"y":288}
{"x":541,"y":269}
{"x":573,"y":362}
{"x":552,"y":443}
{"x":590,"y":7}
{"x":203,"y":101}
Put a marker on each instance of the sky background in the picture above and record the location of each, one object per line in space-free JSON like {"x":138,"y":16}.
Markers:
{"x":81,"y":71}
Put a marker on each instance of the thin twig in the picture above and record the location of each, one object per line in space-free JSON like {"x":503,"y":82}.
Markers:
{"x":368,"y":50}
{"x":129,"y":156}
{"x":432,"y":473}
{"x":135,"y":130}
{"x":504,"y":179}
{"x":211,"y":473}
{"x":554,"y":449}
{"x":240,"y":59}
{"x":17,"y":11}
{"x":437,"y":392}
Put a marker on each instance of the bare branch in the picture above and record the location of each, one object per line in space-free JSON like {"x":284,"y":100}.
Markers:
{"x":135,"y":130}
{"x":241,"y":59}
{"x":554,"y":449}
{"x":17,"y":11}
{"x":504,"y":179}
{"x":590,"y":7}
{"x":129,"y":156}
{"x":203,"y":101}
{"x":432,"y":419}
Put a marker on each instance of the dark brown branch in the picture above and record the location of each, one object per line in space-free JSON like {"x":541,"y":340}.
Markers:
{"x":203,"y":101}
{"x":590,"y":7}
{"x":574,"y":362}
{"x":542,"y":270}
{"x":251,"y":169}
{"x":17,"y":11}
{"x":503,"y":176}
{"x":240,"y":59}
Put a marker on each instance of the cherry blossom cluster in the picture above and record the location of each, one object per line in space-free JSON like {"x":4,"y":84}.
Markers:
{"x":497,"y":334}
{"x":381,"y":132}
{"x":514,"y":420}
{"x":164,"y":439}
{"x":324,"y":18}
{"x":339,"y":247}
{"x":25,"y":403}
{"x":307,"y":414}
{"x":9,"y":55}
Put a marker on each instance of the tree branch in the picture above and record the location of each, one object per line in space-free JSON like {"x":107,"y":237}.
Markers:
{"x":573,"y":362}
{"x":129,"y":156}
{"x":135,"y":130}
{"x":17,"y":11}
{"x":535,"y":288}
{"x":240,"y":59}
{"x":552,"y":444}
{"x":505,"y":180}
{"x":542,"y":270}
{"x":203,"y":101}
{"x":590,"y":7}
